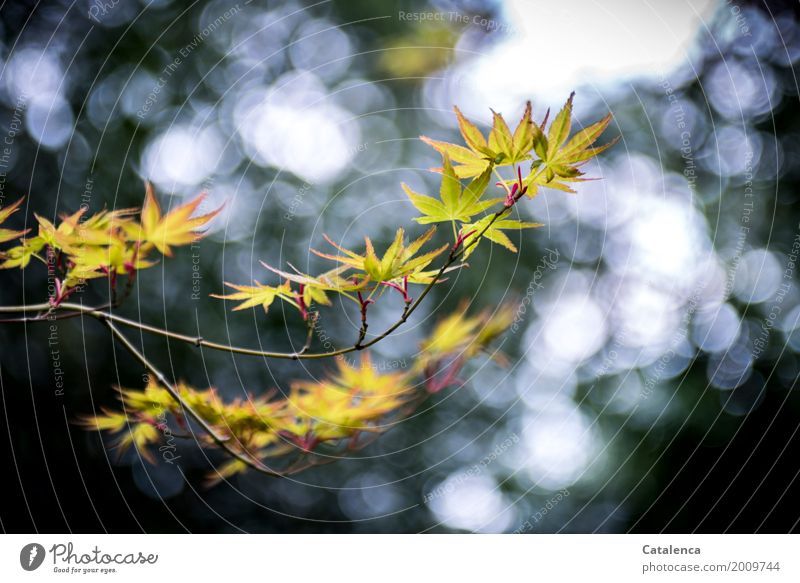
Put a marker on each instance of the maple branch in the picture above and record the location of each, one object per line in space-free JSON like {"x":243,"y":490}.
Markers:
{"x":311,"y":323}
{"x":48,"y":312}
{"x":68,"y":309}
{"x":362,"y":331}
{"x":221,"y":441}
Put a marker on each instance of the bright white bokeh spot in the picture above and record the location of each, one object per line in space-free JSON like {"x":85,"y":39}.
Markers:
{"x":322,"y":47}
{"x":31,"y":72}
{"x":471,"y":503}
{"x":647,"y":315}
{"x":295,"y":127}
{"x":135,"y":94}
{"x":49,"y":120}
{"x":561,"y":445}
{"x":575,"y":328}
{"x":758,"y":276}
{"x":716,"y":329}
{"x":742,"y":89}
{"x":664,"y":241}
{"x":598,"y":204}
{"x":182,"y":156}
{"x":638,"y":39}
{"x":540,"y":388}
{"x":732,"y":152}
{"x":791,"y":321}
{"x":729,"y":369}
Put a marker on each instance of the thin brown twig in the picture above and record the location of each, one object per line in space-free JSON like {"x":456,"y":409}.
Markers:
{"x":221,"y":441}
{"x":311,"y":323}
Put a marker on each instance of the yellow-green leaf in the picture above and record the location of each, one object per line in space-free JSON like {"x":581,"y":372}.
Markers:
{"x":500,"y":140}
{"x":472,"y":135}
{"x":257,"y":295}
{"x":178,"y":227}
{"x":559,"y":129}
{"x":523,"y":134}
{"x":450,"y":189}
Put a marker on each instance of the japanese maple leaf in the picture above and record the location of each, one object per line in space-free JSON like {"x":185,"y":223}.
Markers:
{"x":357,"y":398}
{"x":314,"y":288}
{"x":258,"y":295}
{"x":177,"y":227}
{"x":21,"y":255}
{"x":397,"y":262}
{"x":494,"y":232}
{"x":459,"y":336}
{"x":501,"y":149}
{"x":116,"y":256}
{"x":7,"y":234}
{"x":560,"y":160}
{"x":455,"y":203}
{"x":76,"y":232}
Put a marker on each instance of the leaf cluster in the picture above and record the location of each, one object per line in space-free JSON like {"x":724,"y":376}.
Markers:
{"x":354,"y":402}
{"x":338,"y":413}
{"x":106,"y":244}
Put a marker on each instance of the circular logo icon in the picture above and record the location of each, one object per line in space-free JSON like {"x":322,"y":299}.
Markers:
{"x":31,"y":556}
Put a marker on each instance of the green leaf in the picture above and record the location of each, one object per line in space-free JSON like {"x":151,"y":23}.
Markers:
{"x":560,"y":159}
{"x":494,"y":232}
{"x":470,"y":171}
{"x":469,"y":163}
{"x":499,"y":237}
{"x":559,"y":129}
{"x":450,"y":190}
{"x":257,"y":295}
{"x":500,"y":139}
{"x":583,"y":139}
{"x":7,"y":235}
{"x":372,"y":265}
{"x":514,"y":224}
{"x":455,"y":204}
{"x":540,"y":144}
{"x":457,"y":153}
{"x":392,"y":252}
{"x":565,"y":171}
{"x":397,"y":262}
{"x":478,"y":155}
{"x":433,"y":209}
{"x":9,"y":210}
{"x":590,"y":153}
{"x":523,"y":135}
{"x":475,"y":189}
{"x":21,"y":255}
{"x":472,"y":135}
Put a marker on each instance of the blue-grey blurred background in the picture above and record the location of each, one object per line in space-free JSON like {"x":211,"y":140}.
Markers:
{"x":651,"y":380}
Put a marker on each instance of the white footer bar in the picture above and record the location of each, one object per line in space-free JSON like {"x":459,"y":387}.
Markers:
{"x":400,"y":558}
